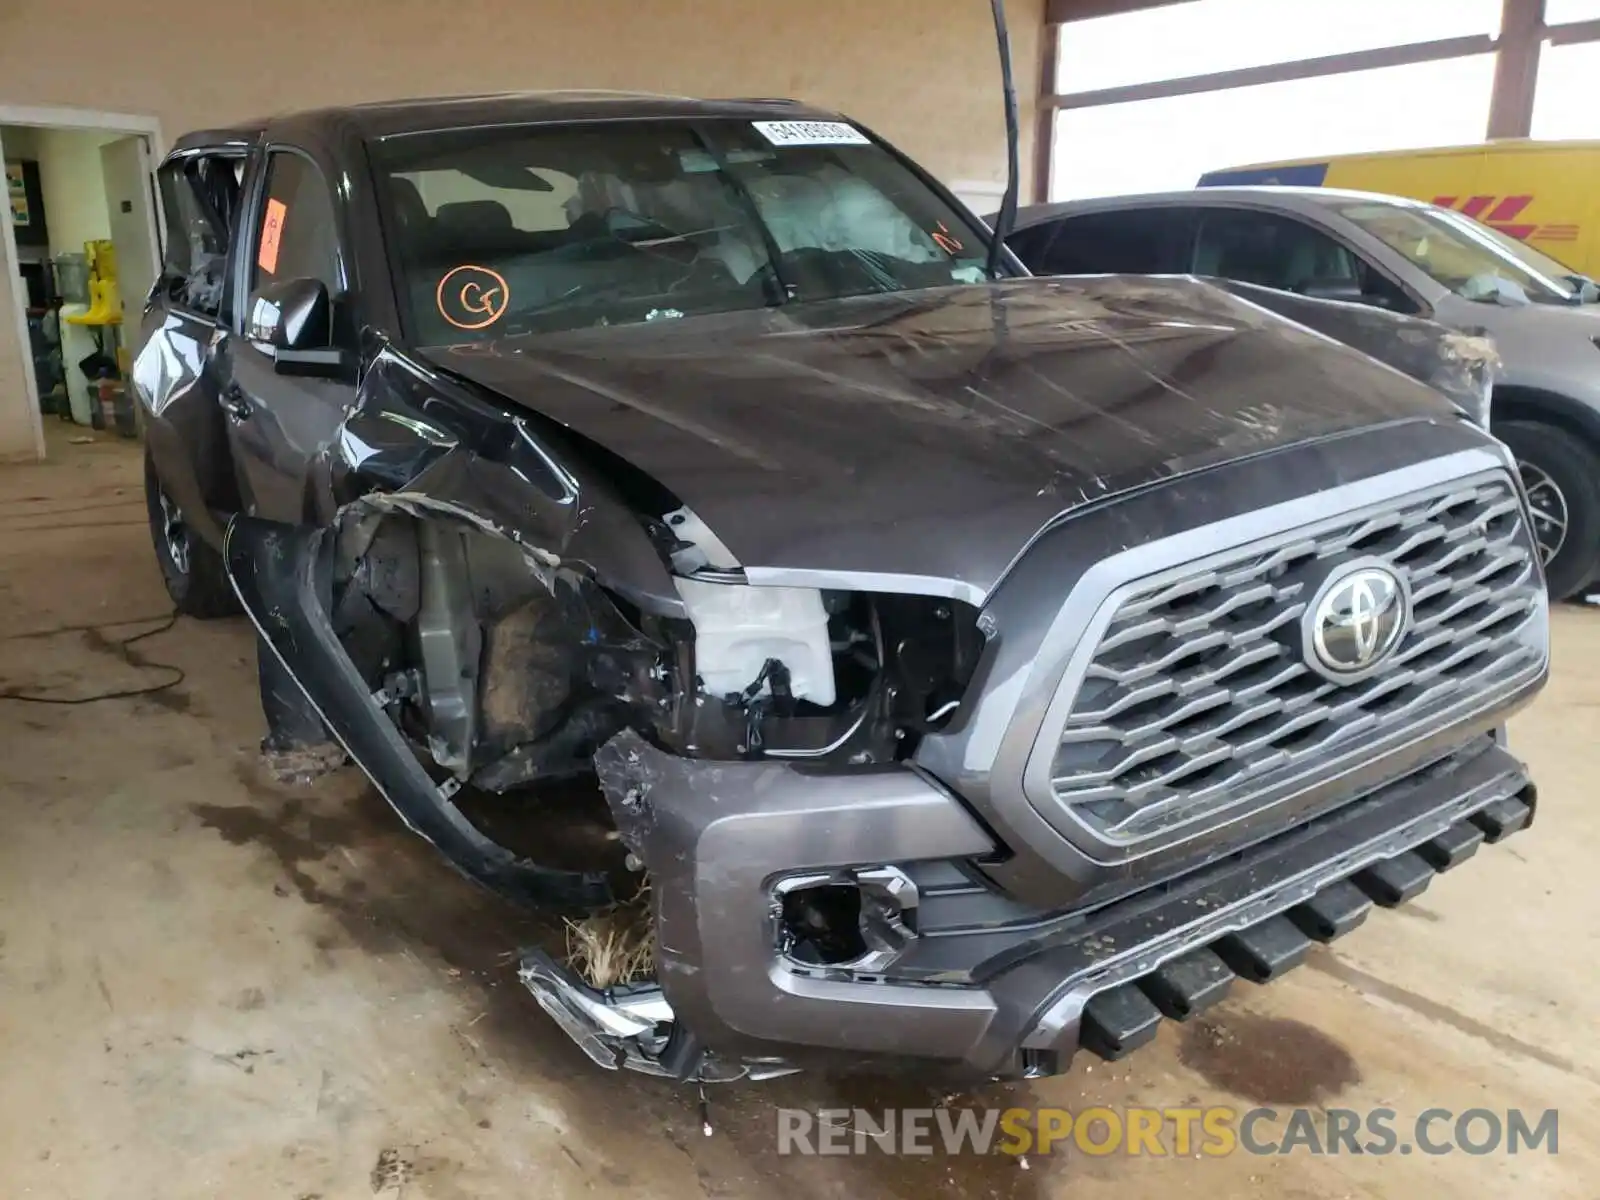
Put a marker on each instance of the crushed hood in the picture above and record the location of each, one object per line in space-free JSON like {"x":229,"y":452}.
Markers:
{"x":928,"y":436}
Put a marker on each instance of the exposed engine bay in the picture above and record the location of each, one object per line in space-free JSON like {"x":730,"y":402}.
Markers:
{"x":508,"y":669}
{"x":505,"y":670}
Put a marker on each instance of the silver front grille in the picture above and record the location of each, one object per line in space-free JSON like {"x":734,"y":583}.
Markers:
{"x":1196,"y":699}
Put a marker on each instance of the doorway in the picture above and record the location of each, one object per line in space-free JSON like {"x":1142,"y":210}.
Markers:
{"x":81,"y":249}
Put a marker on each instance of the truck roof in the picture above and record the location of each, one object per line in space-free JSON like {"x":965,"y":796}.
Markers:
{"x":243,"y":136}
{"x":391,"y":118}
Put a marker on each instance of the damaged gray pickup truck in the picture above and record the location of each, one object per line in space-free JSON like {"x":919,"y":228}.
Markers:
{"x":972,"y":668}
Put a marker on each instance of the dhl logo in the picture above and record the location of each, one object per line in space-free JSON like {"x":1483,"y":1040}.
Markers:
{"x":1501,"y":212}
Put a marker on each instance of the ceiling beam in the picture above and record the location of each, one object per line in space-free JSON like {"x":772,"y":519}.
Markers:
{"x":1574,"y":32}
{"x":1516,"y":69}
{"x":1044,"y":119}
{"x":1305,"y":68}
{"x":1059,"y":12}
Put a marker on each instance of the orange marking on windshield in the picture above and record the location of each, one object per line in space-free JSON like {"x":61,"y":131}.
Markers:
{"x":472,"y":297}
{"x":947,"y":241}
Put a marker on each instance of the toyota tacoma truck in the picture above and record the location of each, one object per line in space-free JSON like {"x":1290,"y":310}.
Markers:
{"x":970,"y":668}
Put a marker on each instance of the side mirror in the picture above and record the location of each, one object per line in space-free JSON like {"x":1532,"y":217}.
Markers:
{"x":292,"y":314}
{"x":293,"y":318}
{"x":1586,"y":291}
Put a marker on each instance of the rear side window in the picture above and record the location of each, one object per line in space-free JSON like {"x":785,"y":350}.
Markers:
{"x":199,"y":201}
{"x":295,"y":236}
{"x":1283,"y":252}
{"x":1141,"y":241}
{"x":1273,"y":251}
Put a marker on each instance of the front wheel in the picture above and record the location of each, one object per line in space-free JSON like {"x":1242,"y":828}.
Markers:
{"x":1562,"y":479}
{"x":193,"y":572}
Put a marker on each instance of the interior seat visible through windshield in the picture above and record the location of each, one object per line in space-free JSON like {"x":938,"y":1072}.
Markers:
{"x":532,"y":229}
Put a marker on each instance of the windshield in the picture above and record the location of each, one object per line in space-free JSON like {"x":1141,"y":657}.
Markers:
{"x":1463,"y":255}
{"x":534,"y":229}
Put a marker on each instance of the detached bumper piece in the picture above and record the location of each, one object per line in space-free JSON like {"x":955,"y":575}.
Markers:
{"x":631,"y":1028}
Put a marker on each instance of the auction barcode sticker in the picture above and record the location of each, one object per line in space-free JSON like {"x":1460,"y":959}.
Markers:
{"x":811,"y":133}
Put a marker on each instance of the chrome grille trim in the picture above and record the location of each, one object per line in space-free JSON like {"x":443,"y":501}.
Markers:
{"x":1192,"y":700}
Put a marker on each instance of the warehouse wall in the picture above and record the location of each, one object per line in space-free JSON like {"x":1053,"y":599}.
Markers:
{"x":921,"y":72}
{"x":74,"y":187}
{"x":20,"y":142}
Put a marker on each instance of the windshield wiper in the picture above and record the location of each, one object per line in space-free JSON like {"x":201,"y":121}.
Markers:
{"x":522,"y":319}
{"x":672,"y":238}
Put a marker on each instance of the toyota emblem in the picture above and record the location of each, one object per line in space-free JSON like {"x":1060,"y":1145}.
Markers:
{"x":1356,"y":620}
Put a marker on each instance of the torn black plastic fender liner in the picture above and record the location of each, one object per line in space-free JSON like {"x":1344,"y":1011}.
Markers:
{"x":283,"y":577}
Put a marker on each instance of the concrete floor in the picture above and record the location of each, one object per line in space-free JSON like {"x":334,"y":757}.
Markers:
{"x":210,"y":986}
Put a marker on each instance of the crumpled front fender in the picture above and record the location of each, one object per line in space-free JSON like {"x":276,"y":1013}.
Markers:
{"x":283,"y":577}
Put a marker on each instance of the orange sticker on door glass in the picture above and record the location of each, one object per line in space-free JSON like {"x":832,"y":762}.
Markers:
{"x":271,"y":235}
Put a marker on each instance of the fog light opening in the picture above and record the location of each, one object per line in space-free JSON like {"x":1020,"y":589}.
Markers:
{"x":821,"y":925}
{"x":861,"y":919}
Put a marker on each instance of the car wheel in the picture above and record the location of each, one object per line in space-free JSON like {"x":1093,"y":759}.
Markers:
{"x":1562,"y":479}
{"x":193,"y":572}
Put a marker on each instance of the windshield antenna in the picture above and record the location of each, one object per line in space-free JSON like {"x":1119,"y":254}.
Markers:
{"x":1008,"y":204}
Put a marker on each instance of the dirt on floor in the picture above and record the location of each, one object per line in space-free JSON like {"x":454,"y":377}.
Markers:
{"x":214,"y":986}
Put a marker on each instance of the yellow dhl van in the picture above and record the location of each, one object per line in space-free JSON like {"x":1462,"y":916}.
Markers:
{"x":1544,"y":193}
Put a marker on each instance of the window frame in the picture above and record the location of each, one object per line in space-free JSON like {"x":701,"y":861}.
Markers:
{"x":251,"y":209}
{"x":1218,"y":214}
{"x":178,"y":162}
{"x":1179,"y":213}
{"x":1421,"y":306}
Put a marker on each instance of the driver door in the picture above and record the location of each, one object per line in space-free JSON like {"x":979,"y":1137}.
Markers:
{"x":278,"y":423}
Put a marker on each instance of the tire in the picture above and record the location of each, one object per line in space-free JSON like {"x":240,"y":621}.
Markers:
{"x":1562,"y":477}
{"x":193,"y":572}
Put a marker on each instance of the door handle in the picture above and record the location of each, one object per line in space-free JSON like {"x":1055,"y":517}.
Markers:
{"x":234,"y":402}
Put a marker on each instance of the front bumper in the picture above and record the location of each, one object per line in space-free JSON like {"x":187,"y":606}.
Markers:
{"x":987,"y":987}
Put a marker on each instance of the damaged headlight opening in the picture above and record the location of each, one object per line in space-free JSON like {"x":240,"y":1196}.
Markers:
{"x":507,"y":668}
